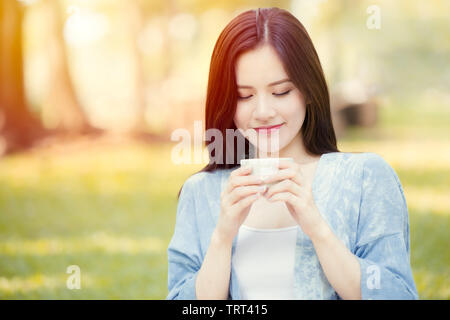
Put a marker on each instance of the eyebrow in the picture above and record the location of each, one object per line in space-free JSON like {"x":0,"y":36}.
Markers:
{"x":269,"y":85}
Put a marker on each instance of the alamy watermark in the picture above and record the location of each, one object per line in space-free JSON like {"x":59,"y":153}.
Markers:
{"x":74,"y":280}
{"x":261,"y":144}
{"x":374,"y":277}
{"x":374,"y":19}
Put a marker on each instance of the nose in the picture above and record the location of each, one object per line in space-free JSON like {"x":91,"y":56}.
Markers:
{"x":263,"y":110}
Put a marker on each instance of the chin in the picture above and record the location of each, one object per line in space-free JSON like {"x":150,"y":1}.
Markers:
{"x":266,"y":148}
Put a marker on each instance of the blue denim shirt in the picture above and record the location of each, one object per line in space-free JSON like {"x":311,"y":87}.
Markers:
{"x":360,"y":197}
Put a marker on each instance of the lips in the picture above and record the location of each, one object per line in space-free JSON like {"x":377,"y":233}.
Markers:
{"x":268,"y":129}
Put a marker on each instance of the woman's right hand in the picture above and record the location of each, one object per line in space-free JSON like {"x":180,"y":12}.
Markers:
{"x":236,"y":199}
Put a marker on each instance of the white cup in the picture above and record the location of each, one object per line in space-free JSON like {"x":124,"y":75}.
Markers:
{"x":263,"y":167}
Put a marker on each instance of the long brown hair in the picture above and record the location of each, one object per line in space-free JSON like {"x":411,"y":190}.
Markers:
{"x":281,"y":30}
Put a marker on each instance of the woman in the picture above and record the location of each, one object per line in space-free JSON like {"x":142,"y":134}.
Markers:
{"x":332,"y":225}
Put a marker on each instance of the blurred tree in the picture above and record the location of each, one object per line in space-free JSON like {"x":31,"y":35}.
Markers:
{"x":61,"y":108}
{"x":19,"y":128}
{"x":134,"y":22}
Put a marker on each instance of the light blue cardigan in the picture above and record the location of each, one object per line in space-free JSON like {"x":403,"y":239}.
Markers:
{"x":358,"y":194}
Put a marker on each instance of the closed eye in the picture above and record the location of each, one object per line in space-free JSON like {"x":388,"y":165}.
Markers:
{"x":275,"y":94}
{"x":281,"y":94}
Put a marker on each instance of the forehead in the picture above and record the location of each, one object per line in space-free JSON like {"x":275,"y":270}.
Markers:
{"x":259,"y":67}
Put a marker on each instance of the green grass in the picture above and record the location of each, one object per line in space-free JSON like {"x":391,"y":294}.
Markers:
{"x":110,"y":209}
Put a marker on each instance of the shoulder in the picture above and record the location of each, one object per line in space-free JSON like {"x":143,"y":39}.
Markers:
{"x":203,"y":178}
{"x":368,"y":167}
{"x":374,"y":161}
{"x":377,"y":174}
{"x":376,"y":167}
{"x":368,"y":161}
{"x":371,"y":158}
{"x":202,"y":182}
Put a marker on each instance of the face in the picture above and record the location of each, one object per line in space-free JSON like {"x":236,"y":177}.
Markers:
{"x":270,"y":109}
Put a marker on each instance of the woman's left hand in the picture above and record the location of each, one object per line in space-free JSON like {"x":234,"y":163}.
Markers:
{"x":296,"y":192}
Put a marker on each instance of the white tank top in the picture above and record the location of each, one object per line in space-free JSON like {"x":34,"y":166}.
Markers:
{"x":264,"y":262}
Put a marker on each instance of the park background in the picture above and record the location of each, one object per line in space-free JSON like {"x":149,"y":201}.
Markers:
{"x":90,"y":92}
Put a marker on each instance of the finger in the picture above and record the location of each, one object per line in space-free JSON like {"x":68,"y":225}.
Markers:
{"x":284,"y":186}
{"x":299,"y":179}
{"x":286,"y":197}
{"x":238,"y":181}
{"x":240,"y":171}
{"x":246,"y":202}
{"x":242,"y":192}
{"x":281,"y":175}
{"x":247,"y":180}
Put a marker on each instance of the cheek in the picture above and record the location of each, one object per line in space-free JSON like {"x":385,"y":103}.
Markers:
{"x":241,"y":117}
{"x":295,"y":110}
